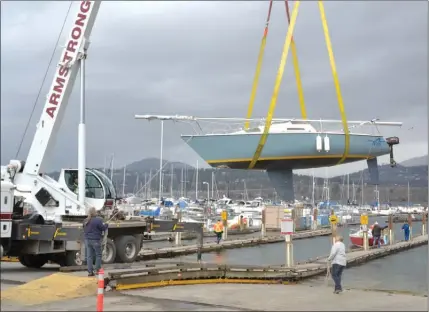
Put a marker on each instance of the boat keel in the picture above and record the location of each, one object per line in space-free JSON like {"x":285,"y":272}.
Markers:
{"x":373,"y":170}
{"x":282,"y":180}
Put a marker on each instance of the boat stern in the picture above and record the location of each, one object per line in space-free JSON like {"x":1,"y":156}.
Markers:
{"x":372,"y":163}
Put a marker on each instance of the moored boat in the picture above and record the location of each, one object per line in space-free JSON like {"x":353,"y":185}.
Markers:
{"x":356,"y":238}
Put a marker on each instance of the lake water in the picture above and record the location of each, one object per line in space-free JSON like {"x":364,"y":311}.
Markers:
{"x":405,"y":271}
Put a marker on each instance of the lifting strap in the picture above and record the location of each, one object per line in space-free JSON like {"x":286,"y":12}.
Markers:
{"x":336,"y":82}
{"x":277,"y":84}
{"x":296,"y":69}
{"x":258,"y":69}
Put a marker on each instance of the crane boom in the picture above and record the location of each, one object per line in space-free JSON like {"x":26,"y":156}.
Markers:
{"x":59,"y":93}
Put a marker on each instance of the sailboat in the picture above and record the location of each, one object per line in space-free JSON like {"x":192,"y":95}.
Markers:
{"x":281,"y":145}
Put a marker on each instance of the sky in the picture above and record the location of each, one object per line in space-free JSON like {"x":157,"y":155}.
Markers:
{"x":199,"y":58}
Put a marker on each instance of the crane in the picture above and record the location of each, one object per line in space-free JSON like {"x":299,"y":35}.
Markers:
{"x":49,"y":198}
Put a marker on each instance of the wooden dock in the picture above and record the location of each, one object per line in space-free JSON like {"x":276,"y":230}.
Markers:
{"x":170,"y":252}
{"x":183,"y":273}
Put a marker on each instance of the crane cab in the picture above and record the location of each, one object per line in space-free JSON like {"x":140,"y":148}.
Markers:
{"x":99,"y":190}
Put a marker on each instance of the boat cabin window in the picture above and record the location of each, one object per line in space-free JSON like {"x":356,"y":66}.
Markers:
{"x":93,"y":186}
{"x":5,"y":200}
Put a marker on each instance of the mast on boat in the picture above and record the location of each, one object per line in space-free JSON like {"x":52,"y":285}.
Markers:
{"x":408,"y":194}
{"x":196,"y":183}
{"x":123,"y":182}
{"x":348,"y":189}
{"x":171,"y":181}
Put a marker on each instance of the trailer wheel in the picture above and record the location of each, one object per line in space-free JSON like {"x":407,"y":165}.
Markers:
{"x":73,"y":258}
{"x":109,"y":253}
{"x":139,"y":238}
{"x":127,"y":249}
{"x":33,"y":261}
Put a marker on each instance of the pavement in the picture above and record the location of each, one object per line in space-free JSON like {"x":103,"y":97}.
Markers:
{"x":19,"y":295}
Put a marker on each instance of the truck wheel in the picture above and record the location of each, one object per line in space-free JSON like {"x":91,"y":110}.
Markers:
{"x":73,"y":258}
{"x":127,"y":249}
{"x":139,"y":238}
{"x":109,"y":253}
{"x":33,"y":261}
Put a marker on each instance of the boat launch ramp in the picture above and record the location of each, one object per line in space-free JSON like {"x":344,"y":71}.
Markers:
{"x":75,"y":289}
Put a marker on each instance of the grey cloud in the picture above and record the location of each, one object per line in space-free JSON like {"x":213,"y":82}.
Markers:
{"x":199,"y":59}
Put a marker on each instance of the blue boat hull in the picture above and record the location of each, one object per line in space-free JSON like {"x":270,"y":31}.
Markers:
{"x":283,"y":150}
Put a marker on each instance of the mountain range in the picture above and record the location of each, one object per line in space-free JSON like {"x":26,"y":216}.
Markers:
{"x":180,"y":178}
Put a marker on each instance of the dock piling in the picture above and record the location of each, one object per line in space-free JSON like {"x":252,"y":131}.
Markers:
{"x":364,"y":227}
{"x":424,"y":222}
{"x":263,"y":227}
{"x":289,"y":251}
{"x":333,"y":220}
{"x":225,"y":225}
{"x":315,"y":225}
{"x":410,"y":223}
{"x":391,"y":233}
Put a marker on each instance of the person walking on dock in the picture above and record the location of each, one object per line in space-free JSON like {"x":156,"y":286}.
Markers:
{"x":376,"y":234}
{"x":218,"y":229}
{"x":339,"y":261}
{"x":406,"y":229}
{"x":94,"y":231}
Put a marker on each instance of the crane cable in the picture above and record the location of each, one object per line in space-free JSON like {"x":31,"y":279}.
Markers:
{"x":258,"y":68}
{"x":43,"y":81}
{"x":336,"y":83}
{"x":296,"y":69}
{"x":277,"y":84}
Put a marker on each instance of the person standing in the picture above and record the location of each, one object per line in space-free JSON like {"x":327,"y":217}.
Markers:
{"x":338,"y":260}
{"x":218,"y":229}
{"x":406,"y":229}
{"x":94,"y":229}
{"x":376,"y":234}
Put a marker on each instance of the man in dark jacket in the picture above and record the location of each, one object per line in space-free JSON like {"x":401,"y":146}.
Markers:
{"x":376,"y":234}
{"x":94,"y":230}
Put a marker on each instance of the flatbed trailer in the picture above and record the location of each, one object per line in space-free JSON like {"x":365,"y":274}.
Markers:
{"x":63,"y":243}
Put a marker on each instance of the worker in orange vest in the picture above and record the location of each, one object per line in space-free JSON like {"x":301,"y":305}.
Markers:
{"x":218,"y":229}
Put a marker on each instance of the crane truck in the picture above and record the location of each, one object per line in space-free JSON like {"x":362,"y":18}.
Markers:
{"x":41,"y":218}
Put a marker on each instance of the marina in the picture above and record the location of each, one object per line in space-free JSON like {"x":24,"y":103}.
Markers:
{"x":82,"y":238}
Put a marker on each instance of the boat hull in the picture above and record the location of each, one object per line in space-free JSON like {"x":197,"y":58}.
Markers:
{"x":358,"y":241}
{"x":283,"y":150}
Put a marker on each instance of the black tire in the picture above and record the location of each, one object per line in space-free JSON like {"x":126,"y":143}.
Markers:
{"x":127,"y":248}
{"x":73,"y":258}
{"x":33,"y":261}
{"x":109,"y":254}
{"x":139,"y":238}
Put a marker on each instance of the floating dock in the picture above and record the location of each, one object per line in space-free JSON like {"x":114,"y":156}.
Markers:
{"x":171,"y":252}
{"x":164,"y":274}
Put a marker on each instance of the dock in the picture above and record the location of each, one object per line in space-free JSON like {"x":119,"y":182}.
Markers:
{"x":124,"y":287}
{"x":171,"y":252}
{"x":185,"y":273}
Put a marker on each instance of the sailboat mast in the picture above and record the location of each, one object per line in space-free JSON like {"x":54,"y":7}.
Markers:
{"x":171,"y":180}
{"x":408,"y":194}
{"x":312,"y":189}
{"x":123,"y":182}
{"x":348,"y":187}
{"x":181,"y":183}
{"x":137,"y":189}
{"x":111,"y":167}
{"x":196,"y":183}
{"x":212,"y":184}
{"x":145,"y":186}
{"x":150,"y":183}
